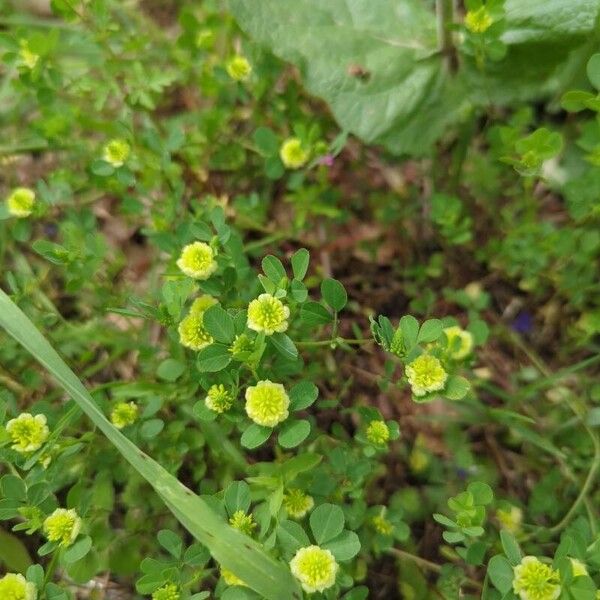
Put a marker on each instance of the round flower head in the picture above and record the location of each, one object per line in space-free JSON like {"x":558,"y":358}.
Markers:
{"x":123,"y":414}
{"x":167,"y":592}
{"x":460,"y":342}
{"x":425,"y":374}
{"x":241,"y":345}
{"x":315,"y":568}
{"x":269,"y":314}
{"x":297,"y":503}
{"x":27,"y":432}
{"x":378,"y":433}
{"x":533,"y":580}
{"x":292,"y":154}
{"x":14,"y":586}
{"x":230,"y":578}
{"x":62,"y":526}
{"x":267,"y":403}
{"x":26,"y":56}
{"x":116,"y":152}
{"x":197,"y":260}
{"x":478,"y":21}
{"x":242,"y":522}
{"x":382,"y":525}
{"x":192,"y":333}
{"x":20,"y":202}
{"x":218,"y":398}
{"x":238,"y":68}
{"x":201,"y":304}
{"x":510,"y":518}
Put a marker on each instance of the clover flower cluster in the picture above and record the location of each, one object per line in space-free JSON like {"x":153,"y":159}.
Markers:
{"x":124,"y":414}
{"x":116,"y":152}
{"x":293,"y":154}
{"x":192,"y":333}
{"x":267,"y":403}
{"x":242,"y":522}
{"x":62,"y":526}
{"x":238,"y":68}
{"x":20,"y":202}
{"x":315,"y":568}
{"x":269,"y":314}
{"x":27,"y":432}
{"x":426,"y":374}
{"x":219,"y":398}
{"x":167,"y":592}
{"x":197,"y":260}
{"x":297,"y":504}
{"x":534,"y":580}
{"x":378,"y":433}
{"x":478,"y":21}
{"x":13,"y":586}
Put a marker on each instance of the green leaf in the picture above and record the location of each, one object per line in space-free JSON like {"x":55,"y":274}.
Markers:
{"x":300,"y":260}
{"x":273,"y":268}
{"x":78,"y":550}
{"x":593,"y":70}
{"x":13,"y":553}
{"x":219,"y":323}
{"x":13,"y":487}
{"x":409,"y":327}
{"x":457,"y":387}
{"x":255,"y":436}
{"x":345,"y":546}
{"x":171,"y":542}
{"x":170,"y":369}
{"x":481,"y":492}
{"x":284,"y":345}
{"x":430,"y":331}
{"x":152,"y":428}
{"x":229,"y":547}
{"x":298,"y":291}
{"x":266,"y":141}
{"x":314,"y":313}
{"x":303,"y":395}
{"x":326,"y":522}
{"x":334,"y":294}
{"x":500,"y":573}
{"x":237,"y":497}
{"x":293,"y":433}
{"x":291,"y":536}
{"x":213,"y":358}
{"x":511,"y":547}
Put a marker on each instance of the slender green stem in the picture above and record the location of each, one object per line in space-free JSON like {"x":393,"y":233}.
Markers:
{"x":445,"y":17}
{"x":51,"y":567}
{"x":334,"y":342}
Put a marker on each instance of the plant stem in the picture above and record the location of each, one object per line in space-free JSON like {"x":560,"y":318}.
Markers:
{"x":445,"y":17}
{"x":334,"y":342}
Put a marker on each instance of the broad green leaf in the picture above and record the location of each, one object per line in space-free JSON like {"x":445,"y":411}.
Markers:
{"x":593,"y":70}
{"x":78,"y":550}
{"x":334,"y":294}
{"x":292,"y":536}
{"x":409,"y":327}
{"x":229,"y":547}
{"x":237,"y":497}
{"x":213,"y":358}
{"x":171,"y":542}
{"x":284,"y":345}
{"x":456,"y":388}
{"x":273,"y":268}
{"x":170,"y":369}
{"x":293,"y":433}
{"x":345,"y":546}
{"x":481,"y":492}
{"x":510,"y":547}
{"x":500,"y":573}
{"x":219,"y":323}
{"x":303,"y":395}
{"x":300,"y":260}
{"x":326,"y":522}
{"x":314,"y":313}
{"x":430,"y":331}
{"x":13,"y":553}
{"x":255,"y":436}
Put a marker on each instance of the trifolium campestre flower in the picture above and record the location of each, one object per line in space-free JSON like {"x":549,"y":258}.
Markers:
{"x":533,"y":580}
{"x":26,"y":56}
{"x":478,"y":21}
{"x":460,"y":342}
{"x":123,"y":414}
{"x":426,"y":374}
{"x":116,"y":152}
{"x":201,"y":304}
{"x":192,"y":333}
{"x":167,"y":592}
{"x":293,"y":155}
{"x":315,"y":568}
{"x":218,"y":398}
{"x":510,"y":518}
{"x":238,"y":68}
{"x":378,"y":433}
{"x":382,"y":525}
{"x":62,"y":526}
{"x":231,"y":578}
{"x":13,"y":586}
{"x":267,"y":403}
{"x":241,"y":346}
{"x":269,"y":314}
{"x":297,"y":504}
{"x":242,"y":522}
{"x":197,"y":260}
{"x":20,"y":202}
{"x":27,"y":432}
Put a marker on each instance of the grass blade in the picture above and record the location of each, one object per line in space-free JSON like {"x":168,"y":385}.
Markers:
{"x":230,"y":548}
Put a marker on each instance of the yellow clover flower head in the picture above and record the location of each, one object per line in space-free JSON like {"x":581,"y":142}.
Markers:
{"x":13,"y":586}
{"x":167,"y":592}
{"x":20,"y":202}
{"x":231,"y":578}
{"x":238,"y":68}
{"x":116,"y":152}
{"x":62,"y":526}
{"x":478,"y":21}
{"x":382,"y":525}
{"x":197,"y":260}
{"x":426,"y":374}
{"x":533,"y":580}
{"x":297,"y":504}
{"x":123,"y":414}
{"x":242,"y":522}
{"x":267,"y":403}
{"x":192,"y":333}
{"x":269,"y":314}
{"x":202,"y":304}
{"x":241,"y":345}
{"x":293,"y":155}
{"x":510,"y":518}
{"x":378,"y":433}
{"x":315,"y":568}
{"x":218,"y":398}
{"x":26,"y":56}
{"x":27,"y":432}
{"x":460,"y":342}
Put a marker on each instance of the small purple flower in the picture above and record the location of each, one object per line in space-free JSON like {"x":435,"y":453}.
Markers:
{"x":523,"y":322}
{"x":326,"y":160}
